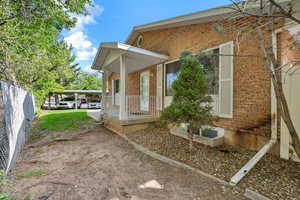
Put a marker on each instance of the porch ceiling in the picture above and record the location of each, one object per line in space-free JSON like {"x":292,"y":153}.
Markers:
{"x":108,"y":57}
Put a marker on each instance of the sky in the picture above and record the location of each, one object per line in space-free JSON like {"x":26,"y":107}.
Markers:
{"x":113,"y":20}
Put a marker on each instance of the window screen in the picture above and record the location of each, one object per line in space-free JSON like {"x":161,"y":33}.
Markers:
{"x":172,"y":70}
{"x":210,"y":62}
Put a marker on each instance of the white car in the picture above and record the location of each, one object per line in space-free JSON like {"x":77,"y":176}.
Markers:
{"x":69,"y":103}
{"x":94,"y":105}
{"x":53,"y":105}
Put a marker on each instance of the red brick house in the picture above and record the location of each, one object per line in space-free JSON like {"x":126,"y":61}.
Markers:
{"x":139,"y":74}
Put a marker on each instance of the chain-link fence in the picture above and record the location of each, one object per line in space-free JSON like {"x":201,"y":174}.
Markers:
{"x":16,"y":115}
{"x":4,"y":144}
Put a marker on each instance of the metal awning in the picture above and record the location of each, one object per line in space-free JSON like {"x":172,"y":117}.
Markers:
{"x":108,"y":57}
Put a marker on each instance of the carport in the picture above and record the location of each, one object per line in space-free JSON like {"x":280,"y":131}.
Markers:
{"x":75,"y":93}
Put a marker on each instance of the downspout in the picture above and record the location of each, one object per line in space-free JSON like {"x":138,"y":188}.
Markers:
{"x":266,"y":148}
{"x":251,"y":163}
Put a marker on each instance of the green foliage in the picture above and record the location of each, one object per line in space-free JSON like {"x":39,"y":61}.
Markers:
{"x":4,"y":182}
{"x":31,"y":173}
{"x":3,"y":178}
{"x":28,"y":197}
{"x":32,"y":52}
{"x":191,"y":104}
{"x":219,"y":28}
{"x":86,"y":81}
{"x":63,"y":120}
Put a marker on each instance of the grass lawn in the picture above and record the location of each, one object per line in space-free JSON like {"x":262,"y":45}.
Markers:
{"x":63,"y":120}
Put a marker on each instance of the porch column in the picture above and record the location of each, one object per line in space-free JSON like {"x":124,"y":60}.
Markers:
{"x":76,"y":103}
{"x":104,"y":89}
{"x":122,"y":112}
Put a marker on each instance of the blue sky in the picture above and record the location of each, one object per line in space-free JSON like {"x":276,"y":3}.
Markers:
{"x":112,"y":20}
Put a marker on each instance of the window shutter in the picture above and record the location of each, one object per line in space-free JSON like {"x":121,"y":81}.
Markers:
{"x":226,"y":80}
{"x":159,"y":86}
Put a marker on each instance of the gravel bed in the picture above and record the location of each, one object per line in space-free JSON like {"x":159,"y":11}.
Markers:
{"x":272,"y":176}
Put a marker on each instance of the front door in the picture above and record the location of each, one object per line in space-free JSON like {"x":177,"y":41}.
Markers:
{"x":144,"y":91}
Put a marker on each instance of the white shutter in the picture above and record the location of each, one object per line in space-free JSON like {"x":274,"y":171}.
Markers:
{"x":159,"y":86}
{"x":226,"y":80}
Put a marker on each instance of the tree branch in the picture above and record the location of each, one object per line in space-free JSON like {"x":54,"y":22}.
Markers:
{"x":287,"y":14}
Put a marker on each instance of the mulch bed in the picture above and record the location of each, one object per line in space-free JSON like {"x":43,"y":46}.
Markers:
{"x":272,"y":176}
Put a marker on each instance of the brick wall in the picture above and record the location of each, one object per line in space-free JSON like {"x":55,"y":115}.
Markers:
{"x":252,"y":88}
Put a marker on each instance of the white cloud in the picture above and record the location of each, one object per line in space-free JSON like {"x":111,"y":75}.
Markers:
{"x":86,"y":54}
{"x":89,"y":69}
{"x":78,"y":39}
{"x":83,"y":20}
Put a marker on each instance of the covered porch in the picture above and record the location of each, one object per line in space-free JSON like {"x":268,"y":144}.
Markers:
{"x":129,"y":77}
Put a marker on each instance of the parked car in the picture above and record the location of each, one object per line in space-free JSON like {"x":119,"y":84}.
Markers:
{"x":69,"y":103}
{"x":96,"y":104}
{"x":53,"y":105}
{"x":83,"y":100}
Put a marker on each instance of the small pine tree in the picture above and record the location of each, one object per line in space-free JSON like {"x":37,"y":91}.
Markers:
{"x":191,"y":104}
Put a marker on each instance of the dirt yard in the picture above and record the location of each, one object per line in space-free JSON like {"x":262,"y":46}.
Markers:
{"x":100,"y":165}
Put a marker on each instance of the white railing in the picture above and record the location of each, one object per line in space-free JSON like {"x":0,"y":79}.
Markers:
{"x":109,"y":106}
{"x":136,"y":107}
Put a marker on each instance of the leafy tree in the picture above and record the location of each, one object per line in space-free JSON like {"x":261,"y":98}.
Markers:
{"x":191,"y":104}
{"x":86,"y":81}
{"x":33,"y":54}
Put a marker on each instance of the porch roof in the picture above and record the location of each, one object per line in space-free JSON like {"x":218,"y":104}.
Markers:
{"x":108,"y":57}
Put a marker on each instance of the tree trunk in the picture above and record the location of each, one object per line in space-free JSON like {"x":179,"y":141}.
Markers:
{"x":285,"y":114}
{"x":49,"y":103}
{"x":273,"y":66}
{"x":190,"y":136}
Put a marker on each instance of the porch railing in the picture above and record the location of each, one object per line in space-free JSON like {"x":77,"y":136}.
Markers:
{"x":137,"y":107}
{"x":142,"y":107}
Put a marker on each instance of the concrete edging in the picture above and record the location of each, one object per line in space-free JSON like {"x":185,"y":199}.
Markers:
{"x":173,"y":162}
{"x":248,"y":192}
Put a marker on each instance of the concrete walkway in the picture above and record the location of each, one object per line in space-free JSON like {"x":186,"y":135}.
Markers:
{"x":95,"y":114}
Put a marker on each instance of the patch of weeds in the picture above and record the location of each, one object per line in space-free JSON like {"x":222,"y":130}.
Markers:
{"x":3,"y":178}
{"x":36,"y":134}
{"x":39,"y":150}
{"x":28,"y":197}
{"x":7,"y":196}
{"x":31,"y":173}
{"x":50,"y":143}
{"x":4,"y":182}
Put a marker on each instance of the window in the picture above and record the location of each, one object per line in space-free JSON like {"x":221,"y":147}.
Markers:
{"x":117,"y":86}
{"x":140,"y":41}
{"x":210,"y":61}
{"x":172,"y":70}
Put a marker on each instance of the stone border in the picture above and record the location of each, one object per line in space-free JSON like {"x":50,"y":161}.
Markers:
{"x":248,"y":192}
{"x":254,"y":195}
